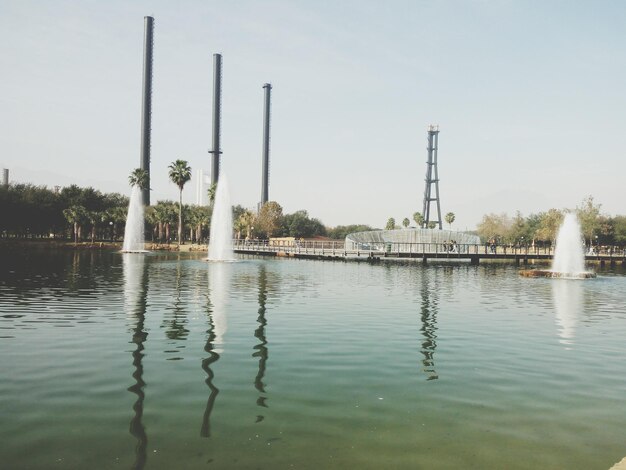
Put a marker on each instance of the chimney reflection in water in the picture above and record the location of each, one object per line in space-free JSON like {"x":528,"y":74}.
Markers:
{"x":261,"y":350}
{"x":429,"y":310}
{"x":135,"y":299}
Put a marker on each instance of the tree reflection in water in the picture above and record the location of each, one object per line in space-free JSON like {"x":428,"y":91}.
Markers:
{"x":218,"y":285}
{"x":175,"y":327}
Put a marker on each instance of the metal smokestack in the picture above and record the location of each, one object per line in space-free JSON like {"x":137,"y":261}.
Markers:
{"x":5,"y":177}
{"x":217,"y":116}
{"x":146,"y":102}
{"x":266,"y":145}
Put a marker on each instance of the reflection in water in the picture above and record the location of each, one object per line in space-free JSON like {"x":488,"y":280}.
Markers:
{"x":176,"y":325}
{"x":429,"y":310}
{"x":205,"y":431}
{"x":261,"y":348}
{"x":568,"y":303}
{"x":219,"y":287}
{"x":135,"y":300}
{"x":219,"y":275}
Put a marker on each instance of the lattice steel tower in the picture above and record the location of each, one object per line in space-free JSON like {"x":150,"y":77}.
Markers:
{"x":432,"y":178}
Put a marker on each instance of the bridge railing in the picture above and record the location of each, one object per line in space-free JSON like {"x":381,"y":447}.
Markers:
{"x":338,"y":247}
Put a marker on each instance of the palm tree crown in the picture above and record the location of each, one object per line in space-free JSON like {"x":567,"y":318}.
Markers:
{"x":180,"y":173}
{"x":139,"y":178}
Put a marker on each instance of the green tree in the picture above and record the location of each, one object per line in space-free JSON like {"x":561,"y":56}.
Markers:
{"x":432,"y":225}
{"x":269,"y":218}
{"x":619,"y":229}
{"x":418,"y":218}
{"x":300,"y":225}
{"x":494,"y":226}
{"x":198,"y":218}
{"x":246,"y":222}
{"x":180,"y":174}
{"x":391,"y":224}
{"x":341,"y":231}
{"x":93,"y":217}
{"x":589,"y":217}
{"x":549,"y":223}
{"x":211,"y":193}
{"x":450,"y":217}
{"x":138,"y":178}
{"x":116,"y":216}
{"x":406,"y":222}
{"x":75,"y":215}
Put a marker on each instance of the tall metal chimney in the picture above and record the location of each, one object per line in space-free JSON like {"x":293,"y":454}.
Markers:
{"x":266,"y":145}
{"x":146,"y":103}
{"x":217,"y":117}
{"x":5,"y":177}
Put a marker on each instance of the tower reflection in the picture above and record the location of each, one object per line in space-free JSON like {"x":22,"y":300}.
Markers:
{"x":135,"y":300}
{"x":176,"y":325}
{"x":429,"y":311}
{"x":218,"y":286}
{"x":261,"y":350}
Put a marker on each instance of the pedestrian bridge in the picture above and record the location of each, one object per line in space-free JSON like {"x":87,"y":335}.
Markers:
{"x":337,"y":250}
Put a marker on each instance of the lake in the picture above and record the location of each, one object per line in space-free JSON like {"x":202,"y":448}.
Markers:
{"x":164,"y":361}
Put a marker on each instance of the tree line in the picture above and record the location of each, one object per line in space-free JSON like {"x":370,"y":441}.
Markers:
{"x":418,"y":218}
{"x":86,"y":214}
{"x":597,"y":228}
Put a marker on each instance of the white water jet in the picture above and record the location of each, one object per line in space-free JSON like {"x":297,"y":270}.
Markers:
{"x":569,"y":256}
{"x":133,"y":233}
{"x":221,"y":236}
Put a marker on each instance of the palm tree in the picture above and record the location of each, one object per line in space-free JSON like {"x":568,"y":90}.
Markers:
{"x":406,"y":222}
{"x":200,"y":217}
{"x":391,"y":224}
{"x":418,"y":218}
{"x":180,"y":173}
{"x":211,"y":192}
{"x":450,"y":218}
{"x":75,"y":215}
{"x":246,"y":222}
{"x":139,"y":178}
{"x":93,"y":217}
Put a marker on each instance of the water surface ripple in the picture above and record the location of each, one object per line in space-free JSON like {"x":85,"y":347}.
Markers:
{"x":167,"y":361}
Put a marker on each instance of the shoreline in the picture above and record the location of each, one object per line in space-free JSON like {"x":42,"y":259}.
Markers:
{"x":97,"y":245}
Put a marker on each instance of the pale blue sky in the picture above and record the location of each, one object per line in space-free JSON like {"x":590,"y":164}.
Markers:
{"x":530,"y":97}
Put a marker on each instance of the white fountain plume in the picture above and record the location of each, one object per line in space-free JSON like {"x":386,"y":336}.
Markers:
{"x":569,"y":257}
{"x":133,"y":233}
{"x":221,"y":237}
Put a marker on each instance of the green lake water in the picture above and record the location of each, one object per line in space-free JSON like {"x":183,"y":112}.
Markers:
{"x":167,"y":361}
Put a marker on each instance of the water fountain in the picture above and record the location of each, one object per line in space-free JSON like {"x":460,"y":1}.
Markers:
{"x":569,"y":258}
{"x":133,"y":233}
{"x":221,"y":237}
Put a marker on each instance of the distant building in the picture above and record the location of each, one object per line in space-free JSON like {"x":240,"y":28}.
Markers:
{"x":203,"y":183}
{"x":5,"y":177}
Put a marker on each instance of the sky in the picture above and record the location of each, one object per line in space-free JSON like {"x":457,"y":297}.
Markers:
{"x":530,"y":97}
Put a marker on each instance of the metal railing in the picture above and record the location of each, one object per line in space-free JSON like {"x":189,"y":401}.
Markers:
{"x":338,"y":247}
